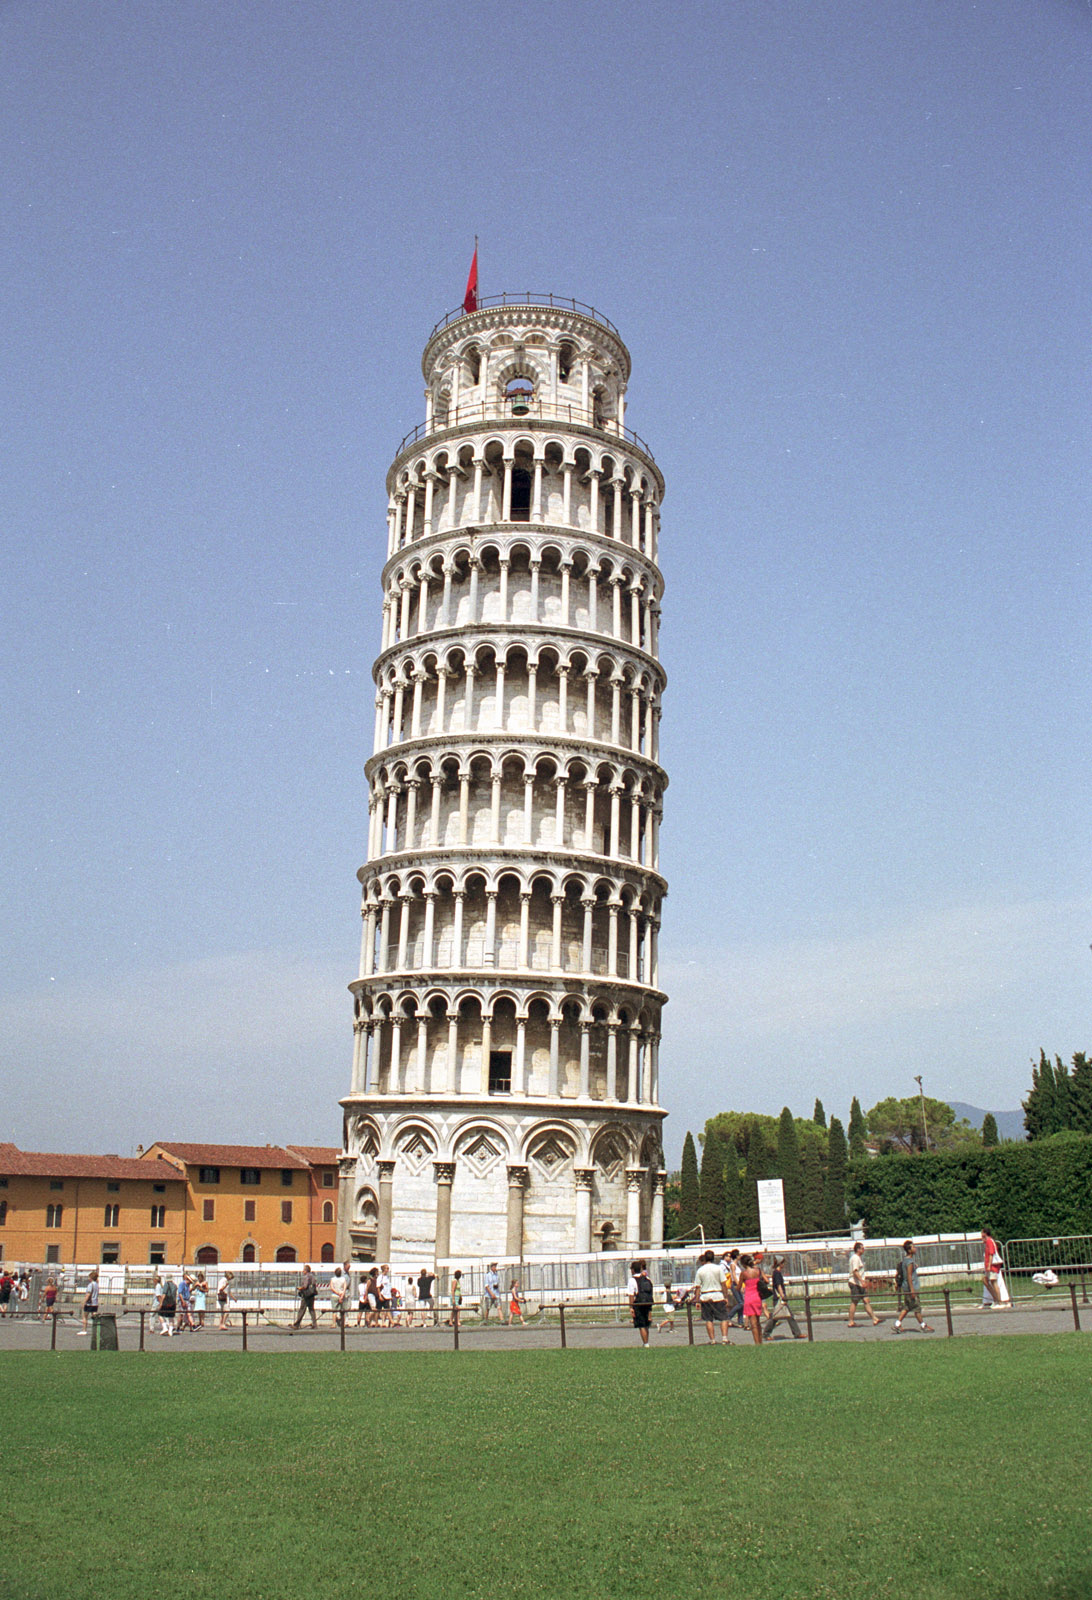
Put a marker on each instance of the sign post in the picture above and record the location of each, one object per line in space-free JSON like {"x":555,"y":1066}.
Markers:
{"x":771,"y":1211}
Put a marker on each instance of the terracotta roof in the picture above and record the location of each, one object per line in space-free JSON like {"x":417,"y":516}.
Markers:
{"x":316,"y":1155}
{"x":229,"y":1155}
{"x":18,"y":1163}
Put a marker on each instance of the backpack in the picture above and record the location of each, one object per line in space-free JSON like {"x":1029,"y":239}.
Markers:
{"x":643,"y":1296}
{"x":900,"y":1273}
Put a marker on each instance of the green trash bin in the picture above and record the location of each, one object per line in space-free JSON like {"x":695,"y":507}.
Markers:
{"x":104,"y":1331}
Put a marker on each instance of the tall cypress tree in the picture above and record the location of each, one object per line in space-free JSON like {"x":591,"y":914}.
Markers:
{"x":733,"y":1191}
{"x":689,"y":1190}
{"x":857,"y":1131}
{"x":711,"y":1205}
{"x":754,"y":1170}
{"x":811,"y":1187}
{"x":788,"y":1168}
{"x":1080,"y":1094}
{"x":989,"y":1130}
{"x":819,"y":1116}
{"x":834,"y":1188}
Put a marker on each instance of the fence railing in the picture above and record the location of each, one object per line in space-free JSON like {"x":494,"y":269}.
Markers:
{"x":504,"y":409}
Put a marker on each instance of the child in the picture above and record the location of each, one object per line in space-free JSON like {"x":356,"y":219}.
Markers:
{"x":515,"y":1310}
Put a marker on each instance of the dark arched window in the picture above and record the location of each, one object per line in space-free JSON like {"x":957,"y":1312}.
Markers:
{"x":286,"y":1253}
{"x":328,"y":1211}
{"x":208,"y":1256}
{"x":521,"y":495}
{"x":327,"y":1252}
{"x":249,"y":1253}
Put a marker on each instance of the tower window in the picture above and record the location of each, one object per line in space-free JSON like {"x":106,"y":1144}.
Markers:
{"x":566,"y":355}
{"x":521,"y":495}
{"x":519,"y":393}
{"x":500,"y":1072}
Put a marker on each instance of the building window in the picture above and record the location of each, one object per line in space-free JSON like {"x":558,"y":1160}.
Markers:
{"x":250,"y":1175}
{"x":207,"y":1256}
{"x":157,"y":1253}
{"x":249,"y":1209}
{"x":56,"y":1183}
{"x":327,"y":1211}
{"x":286,"y":1178}
{"x":110,"y":1254}
{"x":521,"y":495}
{"x":159,"y":1216}
{"x":52,"y":1255}
{"x":327,"y":1180}
{"x":53,"y":1216}
{"x":113,"y":1188}
{"x":286,"y":1211}
{"x":286,"y":1253}
{"x":208,"y":1210}
{"x":3,"y":1183}
{"x":249,"y":1253}
{"x":500,"y":1072}
{"x":159,"y":1188}
{"x":327,"y":1252}
{"x":111,"y":1215}
{"x":208,"y":1175}
{"x":3,"y":1213}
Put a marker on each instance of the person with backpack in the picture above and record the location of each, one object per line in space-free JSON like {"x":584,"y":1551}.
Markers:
{"x":906,"y":1282}
{"x":308,"y":1294}
{"x":640,"y":1291}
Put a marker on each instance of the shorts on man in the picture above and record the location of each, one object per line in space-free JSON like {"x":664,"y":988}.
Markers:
{"x":642,"y":1315}
{"x":856,"y":1293}
{"x":714,"y":1311}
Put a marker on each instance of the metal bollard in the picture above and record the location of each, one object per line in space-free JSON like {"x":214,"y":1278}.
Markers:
{"x":1084,"y":1289}
{"x":53,"y":1335}
{"x":807,"y":1312}
{"x":561,"y":1310}
{"x":341,"y":1321}
{"x":141,"y":1345}
{"x":244,"y":1330}
{"x":455,"y":1324}
{"x":1076,"y":1313}
{"x":690,"y":1322}
{"x":948,"y":1312}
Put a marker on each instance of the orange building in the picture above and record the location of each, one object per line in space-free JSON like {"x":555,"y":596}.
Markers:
{"x":67,"y":1209}
{"x":260,"y":1203}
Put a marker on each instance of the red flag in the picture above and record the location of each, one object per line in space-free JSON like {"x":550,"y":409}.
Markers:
{"x":470,"y":298}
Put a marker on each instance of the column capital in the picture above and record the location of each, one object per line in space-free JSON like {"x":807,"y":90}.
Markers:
{"x":585,"y":1177}
{"x":386,"y":1170}
{"x":444,"y":1171}
{"x":634,"y":1178}
{"x":659,"y":1182}
{"x":518,"y":1177}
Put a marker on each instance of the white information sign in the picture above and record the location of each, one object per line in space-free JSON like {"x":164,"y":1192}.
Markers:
{"x":771,"y":1211}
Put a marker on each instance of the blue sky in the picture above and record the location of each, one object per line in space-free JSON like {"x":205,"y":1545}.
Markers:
{"x":847,"y":246}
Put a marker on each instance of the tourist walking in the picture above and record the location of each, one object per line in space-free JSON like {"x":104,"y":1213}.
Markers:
{"x":166,"y":1307}
{"x":224,"y":1297}
{"x":200,"y":1302}
{"x":515,"y":1304}
{"x":7,"y":1284}
{"x":751,"y":1279}
{"x":308,"y":1294}
{"x":733,"y":1273}
{"x":906,"y":1282}
{"x":777,"y":1306}
{"x":456,"y":1299}
{"x":50,"y":1298}
{"x":410,"y":1301}
{"x":711,"y":1294}
{"x":991,"y":1267}
{"x":639,"y":1290}
{"x":339,"y":1288}
{"x":490,"y":1291}
{"x":90,"y":1300}
{"x":425,"y":1282}
{"x":858,"y":1294}
{"x":671,"y":1305}
{"x":184,"y":1319}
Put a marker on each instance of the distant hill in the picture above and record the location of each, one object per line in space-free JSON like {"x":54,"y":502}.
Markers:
{"x":1010,"y":1124}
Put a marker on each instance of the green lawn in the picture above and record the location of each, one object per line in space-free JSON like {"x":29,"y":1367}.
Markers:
{"x":949,"y":1468}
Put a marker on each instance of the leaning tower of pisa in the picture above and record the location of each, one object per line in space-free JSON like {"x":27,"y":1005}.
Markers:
{"x":505,"y":1097}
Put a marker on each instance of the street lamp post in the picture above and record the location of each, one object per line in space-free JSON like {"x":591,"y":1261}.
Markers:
{"x":924,"y":1125}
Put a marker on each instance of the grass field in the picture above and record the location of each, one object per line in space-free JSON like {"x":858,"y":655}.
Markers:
{"x":941,"y":1469}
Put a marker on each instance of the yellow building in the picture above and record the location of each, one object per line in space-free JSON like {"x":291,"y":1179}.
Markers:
{"x":260,"y":1203}
{"x":64,"y":1209}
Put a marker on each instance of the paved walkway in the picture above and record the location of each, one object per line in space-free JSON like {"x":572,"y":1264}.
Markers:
{"x":26,"y":1333}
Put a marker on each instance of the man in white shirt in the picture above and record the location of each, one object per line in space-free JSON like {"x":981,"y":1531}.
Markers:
{"x":711,"y":1291}
{"x":857,"y":1288}
{"x":490,"y":1291}
{"x":339,"y":1288}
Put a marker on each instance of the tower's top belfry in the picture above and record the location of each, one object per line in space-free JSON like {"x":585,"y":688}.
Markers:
{"x":505,"y":1088}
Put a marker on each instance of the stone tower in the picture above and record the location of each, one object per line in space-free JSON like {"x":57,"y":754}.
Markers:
{"x":504,"y":1095}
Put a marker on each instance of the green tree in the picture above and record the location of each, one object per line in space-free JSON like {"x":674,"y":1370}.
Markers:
{"x":834,"y":1188}
{"x":733,"y":1191}
{"x":759,"y":1159}
{"x":711,"y":1204}
{"x":857,"y":1131}
{"x":789,"y":1171}
{"x":689,"y":1189}
{"x":1046,"y":1109}
{"x":897,"y":1123}
{"x":1080,"y":1094}
{"x":819,"y":1116}
{"x":989,"y":1130}
{"x":734,"y":1128}
{"x":811,"y":1186}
